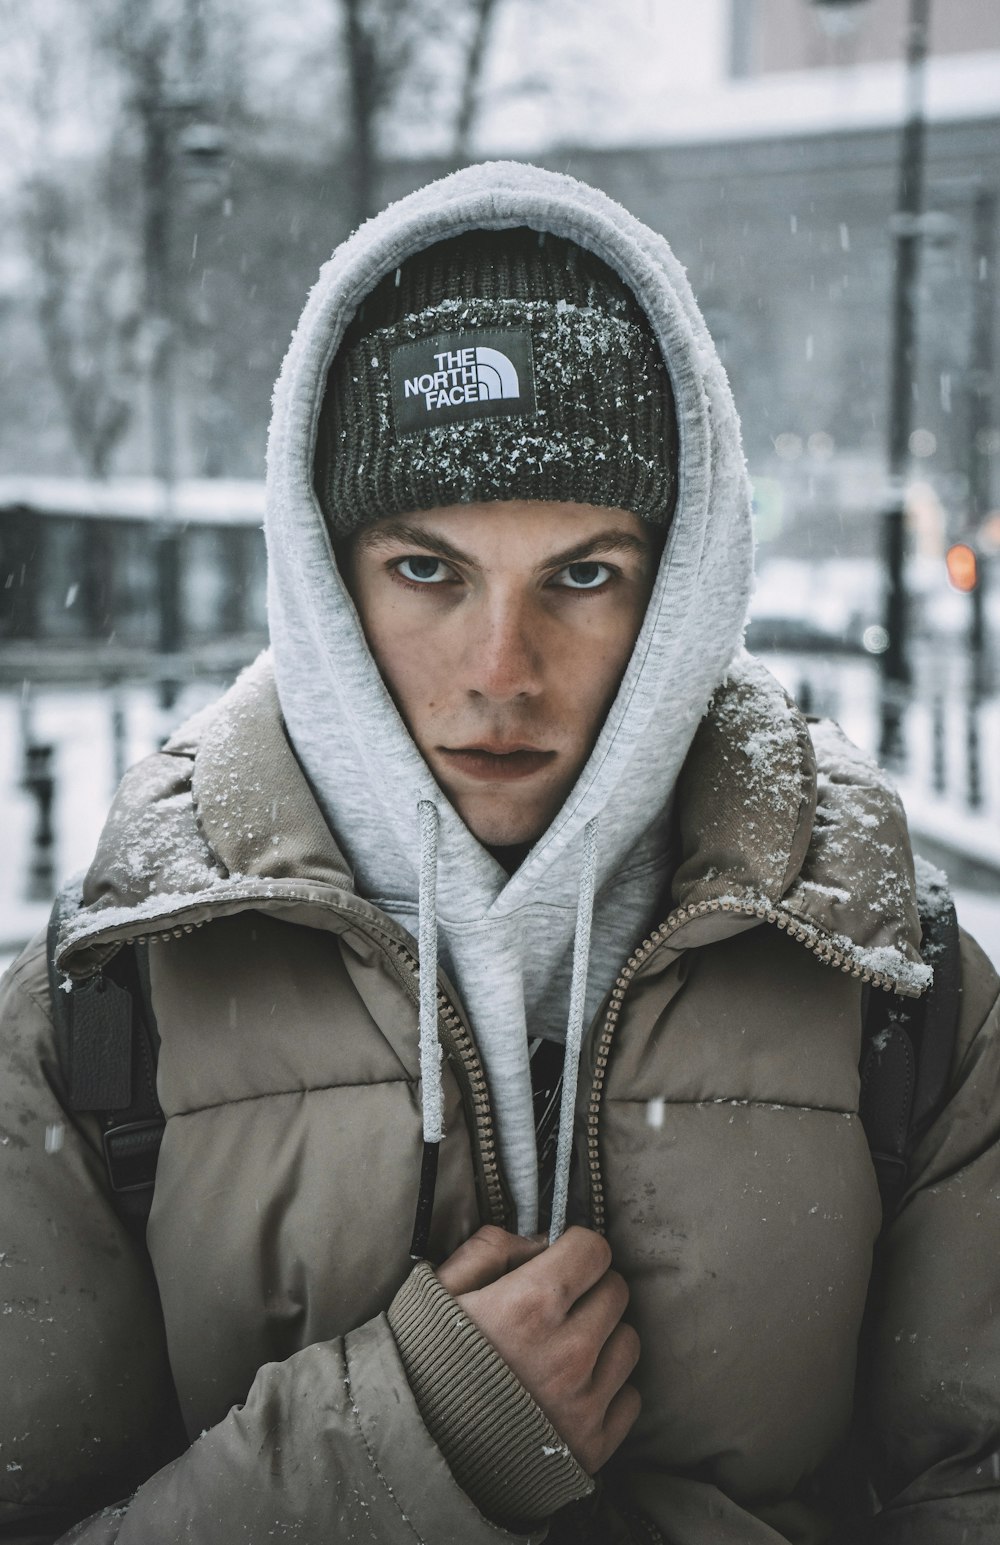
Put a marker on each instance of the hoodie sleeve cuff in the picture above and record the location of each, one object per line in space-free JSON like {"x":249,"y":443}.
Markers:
{"x":501,"y":1448}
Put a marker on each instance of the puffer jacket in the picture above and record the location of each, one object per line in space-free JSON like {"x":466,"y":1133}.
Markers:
{"x":275,"y":1370}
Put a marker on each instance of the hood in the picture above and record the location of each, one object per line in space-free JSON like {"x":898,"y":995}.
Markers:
{"x":519,"y":947}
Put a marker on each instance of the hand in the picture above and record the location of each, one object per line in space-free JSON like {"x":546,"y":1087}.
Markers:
{"x":554,"y":1315}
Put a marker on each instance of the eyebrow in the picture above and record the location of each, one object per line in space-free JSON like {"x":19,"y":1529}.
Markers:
{"x":403,"y":532}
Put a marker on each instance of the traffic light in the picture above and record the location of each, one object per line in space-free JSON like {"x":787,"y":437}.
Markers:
{"x":963,"y":567}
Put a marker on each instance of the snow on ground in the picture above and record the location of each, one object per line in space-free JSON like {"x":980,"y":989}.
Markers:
{"x":78,"y":723}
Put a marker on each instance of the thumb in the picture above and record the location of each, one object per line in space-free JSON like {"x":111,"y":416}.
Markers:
{"x":490,"y":1254}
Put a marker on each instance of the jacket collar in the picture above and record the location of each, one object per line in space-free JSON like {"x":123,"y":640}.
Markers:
{"x":784,"y":820}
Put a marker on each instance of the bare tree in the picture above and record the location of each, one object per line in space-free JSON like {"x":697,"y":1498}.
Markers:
{"x":104,"y":211}
{"x":371,"y":68}
{"x":82,"y":262}
{"x":89,"y":316}
{"x":393,"y":48}
{"x":482,"y":18}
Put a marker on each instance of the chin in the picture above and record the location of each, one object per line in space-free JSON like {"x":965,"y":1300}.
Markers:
{"x":496,"y":827}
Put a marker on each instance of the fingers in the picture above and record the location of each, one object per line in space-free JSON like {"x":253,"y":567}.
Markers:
{"x":565,"y":1270}
{"x":616,"y":1361}
{"x":595,"y":1315}
{"x":619,"y":1420}
{"x":571,"y":1267}
{"x":488,"y":1255}
{"x":609,"y":1410}
{"x":554,"y":1315}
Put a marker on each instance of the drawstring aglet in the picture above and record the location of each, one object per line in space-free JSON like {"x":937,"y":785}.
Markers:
{"x":425,"y":1202}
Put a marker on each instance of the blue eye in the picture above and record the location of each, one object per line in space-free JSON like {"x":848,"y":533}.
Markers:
{"x":422,"y":570}
{"x":584,"y":576}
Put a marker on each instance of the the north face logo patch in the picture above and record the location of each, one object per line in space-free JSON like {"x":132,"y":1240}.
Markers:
{"x":465,"y":375}
{"x":455,"y":376}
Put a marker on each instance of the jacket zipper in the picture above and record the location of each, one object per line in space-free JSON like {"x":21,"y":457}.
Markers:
{"x":821,"y":948}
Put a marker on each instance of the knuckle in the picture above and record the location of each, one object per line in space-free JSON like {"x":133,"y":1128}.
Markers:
{"x":619,"y":1288}
{"x":576,"y":1356}
{"x":532,"y":1306}
{"x":621,"y":1418}
{"x":597,"y":1249}
{"x":493,"y":1238}
{"x":601,"y":1250}
{"x":631,"y":1344}
{"x":494,"y":1242}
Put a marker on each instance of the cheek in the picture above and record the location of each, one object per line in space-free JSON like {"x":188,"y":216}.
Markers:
{"x":411,"y":664}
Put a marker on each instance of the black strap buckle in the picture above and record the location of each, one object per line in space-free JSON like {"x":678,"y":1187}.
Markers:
{"x":890,"y":1172}
{"x":131,"y":1151}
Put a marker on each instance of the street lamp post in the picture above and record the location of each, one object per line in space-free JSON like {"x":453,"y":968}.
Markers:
{"x":980,"y":423}
{"x":895,"y":661}
{"x":896,"y":671}
{"x":982,"y":410}
{"x":158,"y":187}
{"x":176,"y":143}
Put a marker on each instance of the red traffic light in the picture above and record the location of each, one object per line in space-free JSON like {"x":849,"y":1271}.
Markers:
{"x":963,"y":567}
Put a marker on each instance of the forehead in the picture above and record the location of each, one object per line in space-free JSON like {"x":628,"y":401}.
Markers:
{"x":522,"y":525}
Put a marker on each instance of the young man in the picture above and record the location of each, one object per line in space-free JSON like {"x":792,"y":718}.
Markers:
{"x":531,"y":908}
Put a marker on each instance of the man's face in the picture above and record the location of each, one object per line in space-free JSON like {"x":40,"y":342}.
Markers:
{"x":502,"y":632}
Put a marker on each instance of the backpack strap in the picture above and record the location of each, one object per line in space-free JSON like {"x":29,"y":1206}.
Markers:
{"x":908,"y":1044}
{"x":108,"y":1046}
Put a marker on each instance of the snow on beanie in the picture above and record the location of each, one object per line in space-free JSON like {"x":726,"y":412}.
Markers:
{"x":497,"y":365}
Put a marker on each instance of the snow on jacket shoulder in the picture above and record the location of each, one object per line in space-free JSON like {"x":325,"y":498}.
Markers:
{"x":717,"y":1144}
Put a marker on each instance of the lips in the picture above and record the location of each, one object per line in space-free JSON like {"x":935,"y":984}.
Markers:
{"x":493,"y":763}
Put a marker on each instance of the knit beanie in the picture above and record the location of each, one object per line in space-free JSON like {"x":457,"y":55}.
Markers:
{"x":497,"y":365}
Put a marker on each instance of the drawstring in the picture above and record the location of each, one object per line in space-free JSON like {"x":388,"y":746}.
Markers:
{"x":432,"y":1098}
{"x":427,"y":942}
{"x":574,"y":1028}
{"x":430,"y":1046}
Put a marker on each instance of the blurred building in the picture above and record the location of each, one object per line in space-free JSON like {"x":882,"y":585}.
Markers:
{"x":768,"y":36}
{"x":79,"y":563}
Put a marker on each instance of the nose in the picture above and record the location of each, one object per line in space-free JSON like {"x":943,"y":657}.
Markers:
{"x":504,"y":651}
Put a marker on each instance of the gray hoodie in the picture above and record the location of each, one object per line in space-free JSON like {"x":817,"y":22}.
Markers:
{"x":533,"y":953}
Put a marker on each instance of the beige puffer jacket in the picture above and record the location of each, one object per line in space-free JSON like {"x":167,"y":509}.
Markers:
{"x":718,"y":1146}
